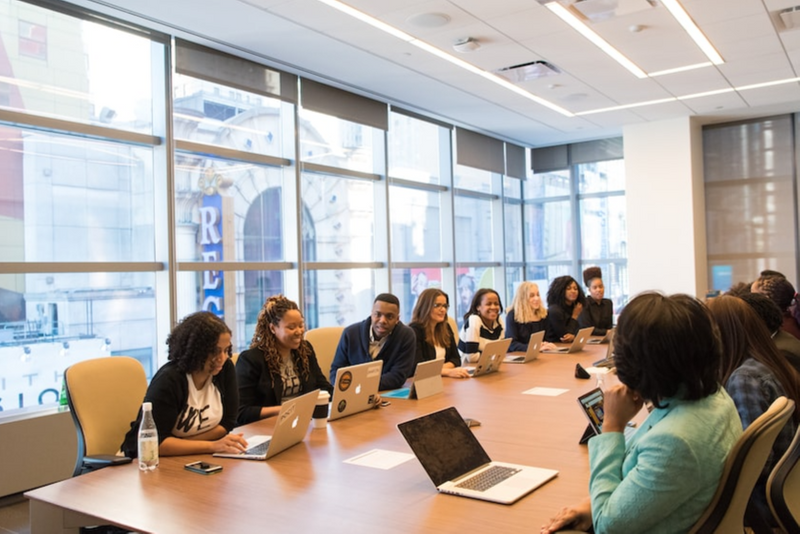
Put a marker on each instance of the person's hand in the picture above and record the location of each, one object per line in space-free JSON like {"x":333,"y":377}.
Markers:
{"x":620,"y":405}
{"x":230,"y":443}
{"x":567,"y":338}
{"x":456,"y":372}
{"x":548,"y":346}
{"x":576,"y":311}
{"x":577,"y":517}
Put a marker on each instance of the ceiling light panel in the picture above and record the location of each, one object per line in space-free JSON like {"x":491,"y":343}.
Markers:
{"x":688,"y":24}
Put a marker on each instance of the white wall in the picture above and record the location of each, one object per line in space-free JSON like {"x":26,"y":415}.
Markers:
{"x":666,"y":207}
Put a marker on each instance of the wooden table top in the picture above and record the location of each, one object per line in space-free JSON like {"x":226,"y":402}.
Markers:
{"x":309,"y":486}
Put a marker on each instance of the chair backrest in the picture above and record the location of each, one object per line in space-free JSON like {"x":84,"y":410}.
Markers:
{"x":104,"y":396}
{"x":234,"y":358}
{"x":454,"y":327}
{"x":745,"y":462}
{"x":783,"y":488}
{"x":325,"y":340}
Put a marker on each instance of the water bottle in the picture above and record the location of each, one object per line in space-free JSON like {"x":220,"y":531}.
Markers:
{"x":148,"y":439}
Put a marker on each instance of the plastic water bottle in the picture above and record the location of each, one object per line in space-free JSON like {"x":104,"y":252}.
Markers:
{"x":148,"y":439}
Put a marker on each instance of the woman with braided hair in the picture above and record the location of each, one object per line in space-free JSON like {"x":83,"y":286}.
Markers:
{"x":279,"y":364}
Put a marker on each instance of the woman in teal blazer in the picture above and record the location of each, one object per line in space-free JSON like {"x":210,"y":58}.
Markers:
{"x":667,"y":355}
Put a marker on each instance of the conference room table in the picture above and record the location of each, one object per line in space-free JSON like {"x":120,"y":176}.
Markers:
{"x":310,"y":488}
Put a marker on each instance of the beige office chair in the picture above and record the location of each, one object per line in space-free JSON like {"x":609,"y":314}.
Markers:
{"x":745,"y":462}
{"x":454,"y":327}
{"x":104,"y":397}
{"x":783,"y":488}
{"x":235,"y":357}
{"x":325,"y":340}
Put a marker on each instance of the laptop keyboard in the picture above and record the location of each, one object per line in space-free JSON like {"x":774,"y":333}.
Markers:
{"x":488,"y":478}
{"x":258,"y":450}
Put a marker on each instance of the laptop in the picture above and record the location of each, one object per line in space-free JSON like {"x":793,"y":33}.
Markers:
{"x":602,"y":340}
{"x":534,"y":344}
{"x":355,"y":389}
{"x":608,"y":361}
{"x":591,"y":404}
{"x":427,"y":382}
{"x":494,"y":352}
{"x":290,"y":429}
{"x":577,"y":344}
{"x":458,"y":465}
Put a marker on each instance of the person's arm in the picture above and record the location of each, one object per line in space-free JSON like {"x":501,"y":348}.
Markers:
{"x":746,"y":390}
{"x":452,"y":360}
{"x":399,"y":364}
{"x":558,"y":323}
{"x":229,"y":391}
{"x":215,"y":440}
{"x":575,"y":517}
{"x":471,"y":340}
{"x":586,"y":320}
{"x":516,"y":334}
{"x":249,"y":369}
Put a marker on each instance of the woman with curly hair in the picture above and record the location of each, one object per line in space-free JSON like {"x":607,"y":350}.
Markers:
{"x":194,"y":395}
{"x":279,"y":364}
{"x":565,"y":301}
{"x":435,"y":338}
{"x":526,"y":316}
{"x":781,"y":292}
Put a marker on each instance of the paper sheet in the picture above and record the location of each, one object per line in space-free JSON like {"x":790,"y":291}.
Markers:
{"x":380,"y":459}
{"x":545,"y":392}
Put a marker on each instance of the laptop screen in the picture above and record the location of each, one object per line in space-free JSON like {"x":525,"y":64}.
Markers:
{"x":444,"y":445}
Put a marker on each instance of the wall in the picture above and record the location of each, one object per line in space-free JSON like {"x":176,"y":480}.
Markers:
{"x":666,"y":207}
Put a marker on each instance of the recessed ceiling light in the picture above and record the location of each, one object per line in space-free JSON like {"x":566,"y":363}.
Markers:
{"x":428,"y":20}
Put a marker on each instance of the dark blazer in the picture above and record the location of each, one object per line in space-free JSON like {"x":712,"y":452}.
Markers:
{"x":426,"y":351}
{"x":560,"y":322}
{"x":600,"y":315}
{"x":520,"y":333}
{"x":258,"y":387}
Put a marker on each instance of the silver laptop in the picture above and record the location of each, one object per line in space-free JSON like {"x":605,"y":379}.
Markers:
{"x":602,"y":340}
{"x":534,"y":345}
{"x":577,"y":344}
{"x":494,"y":352}
{"x":608,"y":361}
{"x":457,"y":464}
{"x":290,"y":429}
{"x":427,"y":382}
{"x":355,"y":389}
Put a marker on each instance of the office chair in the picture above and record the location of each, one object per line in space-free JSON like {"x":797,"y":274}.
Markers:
{"x":725,"y":513}
{"x":783,"y":488}
{"x":325,"y":340}
{"x":454,"y":328}
{"x":104,"y":396}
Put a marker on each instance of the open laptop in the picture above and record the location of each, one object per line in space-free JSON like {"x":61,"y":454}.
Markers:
{"x":534,"y":344}
{"x":591,"y":404}
{"x":427,"y":382}
{"x":602,"y":340}
{"x":608,"y":361}
{"x":458,"y":465}
{"x":355,"y":389}
{"x":577,"y":344}
{"x":290,"y":429}
{"x":494,"y":352}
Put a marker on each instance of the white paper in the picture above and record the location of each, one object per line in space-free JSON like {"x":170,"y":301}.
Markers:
{"x":598,"y":370}
{"x":380,"y":459}
{"x":545,"y":392}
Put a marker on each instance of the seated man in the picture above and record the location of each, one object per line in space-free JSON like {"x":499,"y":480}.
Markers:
{"x":381,"y":336}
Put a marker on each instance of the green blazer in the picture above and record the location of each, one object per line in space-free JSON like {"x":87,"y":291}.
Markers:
{"x":663,"y":479}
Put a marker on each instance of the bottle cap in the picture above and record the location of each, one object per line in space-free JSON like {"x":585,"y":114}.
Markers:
{"x":147,"y":406}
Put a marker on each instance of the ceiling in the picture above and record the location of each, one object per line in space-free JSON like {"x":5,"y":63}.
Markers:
{"x":315,"y":40}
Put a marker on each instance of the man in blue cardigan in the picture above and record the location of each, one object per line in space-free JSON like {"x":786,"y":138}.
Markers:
{"x":381,"y":336}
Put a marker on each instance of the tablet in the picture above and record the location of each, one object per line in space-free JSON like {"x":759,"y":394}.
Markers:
{"x":592,"y":405}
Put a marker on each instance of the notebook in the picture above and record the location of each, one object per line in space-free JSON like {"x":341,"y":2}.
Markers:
{"x":355,"y":389}
{"x":605,"y":339}
{"x":290,"y":429}
{"x":427,"y":382}
{"x":534,"y":344}
{"x":494,"y":352}
{"x":577,"y":344}
{"x":591,"y":404}
{"x":458,"y":465}
{"x":608,"y":361}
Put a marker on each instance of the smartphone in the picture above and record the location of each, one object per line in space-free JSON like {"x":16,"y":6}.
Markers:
{"x":203,"y":468}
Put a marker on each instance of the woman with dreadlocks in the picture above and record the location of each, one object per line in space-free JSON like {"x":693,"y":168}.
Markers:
{"x":279,"y":364}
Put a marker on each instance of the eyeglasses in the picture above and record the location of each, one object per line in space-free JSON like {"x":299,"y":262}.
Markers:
{"x":226,"y":353}
{"x":438,"y":305}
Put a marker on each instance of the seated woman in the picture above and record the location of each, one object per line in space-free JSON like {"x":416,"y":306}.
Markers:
{"x":194,"y":395}
{"x":526,"y":316}
{"x":482,"y":323}
{"x":435,"y":338}
{"x":754,"y":373}
{"x":279,"y":364}
{"x":598,"y":312}
{"x":667,"y":353}
{"x":781,"y":292}
{"x":564,"y":305}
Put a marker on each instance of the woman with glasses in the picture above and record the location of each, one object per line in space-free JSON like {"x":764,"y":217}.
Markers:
{"x":435,"y":338}
{"x":526,"y":316}
{"x":279,"y":364}
{"x":194,"y":395}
